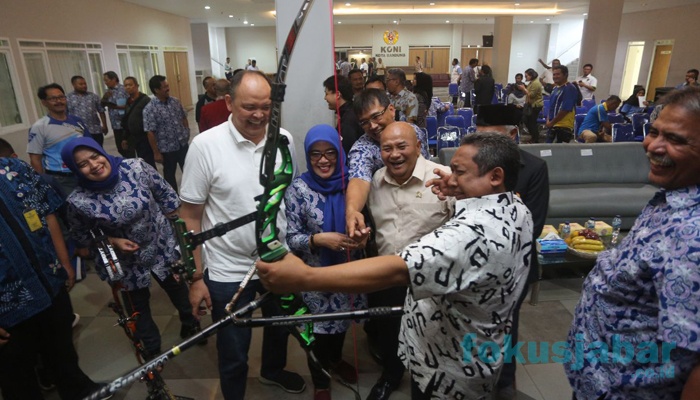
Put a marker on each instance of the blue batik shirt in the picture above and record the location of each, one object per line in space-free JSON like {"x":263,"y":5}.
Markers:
{"x":644,"y":295}
{"x":134,"y":209}
{"x":118,"y":96}
{"x":164,"y":118}
{"x":365,"y":157}
{"x":26,"y":289}
{"x":86,"y":106}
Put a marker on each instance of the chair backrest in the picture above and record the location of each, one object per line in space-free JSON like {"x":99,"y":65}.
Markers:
{"x":622,"y":133}
{"x":431,"y":126}
{"x":467,"y":114}
{"x":453,"y":89}
{"x":615,"y":118}
{"x":448,"y":136}
{"x":456,"y":120}
{"x":545,"y":106}
{"x":581,"y":110}
{"x":588,"y":103}
{"x":645,"y":129}
{"x":578,"y":120}
{"x":638,"y":121}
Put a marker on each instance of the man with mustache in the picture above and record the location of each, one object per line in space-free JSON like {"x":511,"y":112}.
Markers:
{"x":647,"y":290}
{"x":219,"y":184}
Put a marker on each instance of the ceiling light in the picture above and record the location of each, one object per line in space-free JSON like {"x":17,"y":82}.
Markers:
{"x":454,"y":10}
{"x":395,"y":21}
{"x":548,"y":19}
{"x":347,"y":4}
{"x":207,"y":7}
{"x":252,"y":24}
{"x":432,"y":4}
{"x":230,"y":15}
{"x":517,"y":4}
{"x":245,"y":22}
{"x":584,"y":14}
{"x":447,"y":22}
{"x":340,"y":22}
{"x":532,"y":22}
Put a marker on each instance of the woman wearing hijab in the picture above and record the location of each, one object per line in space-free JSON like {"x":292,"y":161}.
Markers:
{"x":315,"y":210}
{"x":129,"y":201}
{"x":632,"y":105}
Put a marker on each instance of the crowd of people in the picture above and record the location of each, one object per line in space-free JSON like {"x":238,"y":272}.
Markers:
{"x":372,"y":222}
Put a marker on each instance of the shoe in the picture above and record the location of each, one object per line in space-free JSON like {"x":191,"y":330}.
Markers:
{"x":76,"y":319}
{"x":187,"y":331}
{"x":381,"y":390}
{"x":44,"y":378}
{"x":322,"y":394}
{"x":346,"y":372}
{"x":290,"y":382}
{"x":506,"y":393}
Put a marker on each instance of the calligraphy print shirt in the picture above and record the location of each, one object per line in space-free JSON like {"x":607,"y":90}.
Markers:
{"x":465,"y":277}
{"x":645,"y":290}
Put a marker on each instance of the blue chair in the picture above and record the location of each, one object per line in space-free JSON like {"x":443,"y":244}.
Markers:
{"x":646,"y":129}
{"x":456,"y":120}
{"x":542,"y":117}
{"x":578,"y":120}
{"x":431,"y":126}
{"x":622,"y":133}
{"x":450,"y":108}
{"x":638,"y":121}
{"x":453,"y":89}
{"x":615,"y":118}
{"x":467,"y":114}
{"x":588,"y":103}
{"x":581,"y":110}
{"x":448,"y":136}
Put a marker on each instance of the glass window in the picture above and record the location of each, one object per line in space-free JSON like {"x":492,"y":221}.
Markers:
{"x":142,"y":66}
{"x":97,"y":85}
{"x":124,"y":66}
{"x":36,"y":71}
{"x":9,"y":107}
{"x":65,"y":64}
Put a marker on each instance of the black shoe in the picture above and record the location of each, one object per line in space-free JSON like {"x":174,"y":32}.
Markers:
{"x":381,"y":390}
{"x":187,"y":331}
{"x":45,"y":379}
{"x":290,"y":382}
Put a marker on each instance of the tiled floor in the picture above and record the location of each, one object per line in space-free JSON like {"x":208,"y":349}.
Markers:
{"x":105,"y":352}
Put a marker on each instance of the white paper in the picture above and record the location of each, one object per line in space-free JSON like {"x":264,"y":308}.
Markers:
{"x":642,"y":99}
{"x":586,"y":152}
{"x":546,"y":153}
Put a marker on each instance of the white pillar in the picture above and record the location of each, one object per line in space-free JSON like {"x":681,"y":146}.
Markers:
{"x":312,"y":61}
{"x":456,"y":48}
{"x":599,"y":44}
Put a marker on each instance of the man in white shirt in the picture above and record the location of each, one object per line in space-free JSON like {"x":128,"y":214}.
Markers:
{"x":587,"y":82}
{"x":465,"y":276}
{"x":403,"y":210}
{"x":219,"y":184}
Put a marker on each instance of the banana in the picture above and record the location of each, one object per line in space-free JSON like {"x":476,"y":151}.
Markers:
{"x":590,"y":247}
{"x":585,"y":241}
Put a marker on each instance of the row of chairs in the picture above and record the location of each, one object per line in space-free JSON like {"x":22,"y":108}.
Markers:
{"x":621,"y":130}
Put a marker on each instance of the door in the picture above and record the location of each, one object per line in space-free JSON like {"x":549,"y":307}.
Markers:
{"x":436,"y":60}
{"x":178,"y":75}
{"x":633,"y":63}
{"x":483,"y":54}
{"x":659,"y":68}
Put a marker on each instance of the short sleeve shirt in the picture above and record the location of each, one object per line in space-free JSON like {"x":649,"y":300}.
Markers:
{"x":406,"y":104}
{"x":588,"y":80}
{"x":594,"y":117}
{"x":48,"y":136}
{"x":164,"y":119}
{"x":86,"y":106}
{"x":563,"y":98}
{"x":119,"y":97}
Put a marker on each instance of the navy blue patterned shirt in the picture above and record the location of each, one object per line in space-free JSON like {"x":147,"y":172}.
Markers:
{"x":164,"y":118}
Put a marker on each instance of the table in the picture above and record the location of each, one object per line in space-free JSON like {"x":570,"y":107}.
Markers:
{"x":564,"y":266}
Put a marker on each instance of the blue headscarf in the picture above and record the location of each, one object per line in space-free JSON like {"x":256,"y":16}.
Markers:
{"x":332,"y":188}
{"x":67,"y":156}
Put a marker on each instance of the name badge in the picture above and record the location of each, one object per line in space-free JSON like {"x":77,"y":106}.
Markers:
{"x":33,"y":220}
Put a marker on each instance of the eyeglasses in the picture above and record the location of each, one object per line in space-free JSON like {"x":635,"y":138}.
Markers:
{"x":54,"y":99}
{"x":331,"y":155}
{"x":373,"y":118}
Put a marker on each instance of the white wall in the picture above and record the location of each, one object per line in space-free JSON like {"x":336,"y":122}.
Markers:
{"x":678,"y":23}
{"x":567,"y":41}
{"x":529,"y":43}
{"x":218,"y":51}
{"x":254,"y":43}
{"x":109,"y":22}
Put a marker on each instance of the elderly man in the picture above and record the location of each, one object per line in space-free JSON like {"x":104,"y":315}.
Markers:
{"x":643,"y":296}
{"x":86,"y":105}
{"x":375,"y":113}
{"x":453,"y":273}
{"x":219,"y":184}
{"x":403,"y":210}
{"x":405,"y":102}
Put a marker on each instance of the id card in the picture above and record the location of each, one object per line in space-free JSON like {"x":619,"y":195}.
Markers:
{"x":33,"y":220}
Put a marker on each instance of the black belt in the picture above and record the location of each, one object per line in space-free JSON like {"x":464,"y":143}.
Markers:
{"x":59,"y":173}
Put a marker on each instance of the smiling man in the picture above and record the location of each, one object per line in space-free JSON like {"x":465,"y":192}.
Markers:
{"x":647,"y":290}
{"x":219,"y":184}
{"x":464,"y":276}
{"x":403,"y":210}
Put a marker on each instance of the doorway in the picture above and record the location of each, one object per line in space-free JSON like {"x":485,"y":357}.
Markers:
{"x":436,"y":60}
{"x":659,"y":66}
{"x":633,"y":63}
{"x":178,"y":74}
{"x":483,"y":54}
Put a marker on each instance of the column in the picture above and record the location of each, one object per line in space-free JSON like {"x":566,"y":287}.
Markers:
{"x":502,"y":39}
{"x":311,"y":63}
{"x":599,"y":44}
{"x":456,"y":47}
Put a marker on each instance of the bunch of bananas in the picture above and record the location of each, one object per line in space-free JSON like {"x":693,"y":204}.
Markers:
{"x":581,"y":243}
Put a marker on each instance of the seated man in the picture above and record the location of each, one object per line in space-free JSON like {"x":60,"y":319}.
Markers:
{"x":464,"y":277}
{"x":596,"y":127}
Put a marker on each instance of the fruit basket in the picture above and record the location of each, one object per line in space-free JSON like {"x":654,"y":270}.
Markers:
{"x":585,"y":244}
{"x":591,"y":254}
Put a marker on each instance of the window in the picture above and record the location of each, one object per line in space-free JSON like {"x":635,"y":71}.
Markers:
{"x":9,"y":108}
{"x":139,"y":61}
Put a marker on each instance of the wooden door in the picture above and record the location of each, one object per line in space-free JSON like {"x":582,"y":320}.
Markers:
{"x":659,"y":69}
{"x":436,"y":60}
{"x":178,"y":75}
{"x":483,"y":54}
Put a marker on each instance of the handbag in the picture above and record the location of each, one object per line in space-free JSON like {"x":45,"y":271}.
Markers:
{"x":527,"y":110}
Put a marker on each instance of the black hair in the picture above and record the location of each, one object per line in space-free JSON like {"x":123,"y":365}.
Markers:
{"x":42,"y":90}
{"x":75,"y":78}
{"x":238,"y":78}
{"x":495,"y":150}
{"x":344,"y":87}
{"x":367,"y":98}
{"x":155,"y":82}
{"x":111,"y":75}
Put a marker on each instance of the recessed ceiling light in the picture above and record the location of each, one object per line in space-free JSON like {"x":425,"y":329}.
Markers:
{"x":245,"y":22}
{"x":347,"y":4}
{"x":548,"y":19}
{"x":432,"y":4}
{"x":207,"y":7}
{"x":532,"y":22}
{"x":447,"y":22}
{"x":230,"y":15}
{"x":340,"y":22}
{"x":252,"y":24}
{"x":584,"y":14}
{"x":395,"y":21}
{"x":517,"y":4}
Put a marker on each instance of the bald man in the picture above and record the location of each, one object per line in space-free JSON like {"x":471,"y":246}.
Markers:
{"x":403,"y":210}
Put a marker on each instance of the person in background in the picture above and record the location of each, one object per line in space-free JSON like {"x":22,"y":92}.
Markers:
{"x":217,"y":112}
{"x":209,"y":96}
{"x":228,"y":69}
{"x":596,"y":126}
{"x":454,"y":77}
{"x":357,"y":81}
{"x":587,"y":83}
{"x":423,"y":89}
{"x":315,"y":210}
{"x":135,"y":136}
{"x":560,"y":117}
{"x":405,"y":102}
{"x":86,"y":105}
{"x":419,"y":65}
{"x":115,"y":100}
{"x":376,"y":82}
{"x":516,"y":92}
{"x":339,"y":100}
{"x":466,"y":81}
{"x":534,"y":106}
{"x":547,"y":77}
{"x":691,"y":79}
{"x":381,"y":69}
{"x":142,"y":235}
{"x":635,"y":103}
{"x":484,"y":88}
{"x":253,"y":66}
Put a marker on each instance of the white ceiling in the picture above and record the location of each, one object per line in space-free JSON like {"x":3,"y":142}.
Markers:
{"x":260,"y":12}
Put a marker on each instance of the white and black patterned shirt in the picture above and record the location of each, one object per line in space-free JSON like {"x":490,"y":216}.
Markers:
{"x":466,"y":277}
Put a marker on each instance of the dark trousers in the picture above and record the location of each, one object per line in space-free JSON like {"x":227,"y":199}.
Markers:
{"x":386,"y":332}
{"x":118,"y":138}
{"x":170,"y":162}
{"x":507,"y":377}
{"x":144,"y":150}
{"x":139,"y":301}
{"x":417,"y":394}
{"x":232,"y":342}
{"x":328,"y":349}
{"x":531,"y":124}
{"x":49,"y":334}
{"x":99,"y":138}
{"x":559,"y":135}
